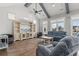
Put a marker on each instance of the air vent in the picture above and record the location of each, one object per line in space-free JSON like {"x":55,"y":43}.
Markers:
{"x":27,"y":4}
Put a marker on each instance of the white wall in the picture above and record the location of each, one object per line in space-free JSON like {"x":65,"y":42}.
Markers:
{"x":4,"y":22}
{"x":19,"y":11}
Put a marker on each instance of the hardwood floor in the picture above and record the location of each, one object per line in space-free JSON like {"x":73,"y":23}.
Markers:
{"x":21,"y":48}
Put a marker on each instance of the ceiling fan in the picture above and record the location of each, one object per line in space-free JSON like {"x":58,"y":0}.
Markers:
{"x":36,"y":11}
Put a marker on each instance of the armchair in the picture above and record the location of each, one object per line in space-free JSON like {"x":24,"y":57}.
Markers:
{"x":10,"y":38}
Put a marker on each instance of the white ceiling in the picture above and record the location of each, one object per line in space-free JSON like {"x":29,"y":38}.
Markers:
{"x":11,"y":4}
{"x":58,"y":9}
{"x":52,"y":11}
{"x":74,"y":6}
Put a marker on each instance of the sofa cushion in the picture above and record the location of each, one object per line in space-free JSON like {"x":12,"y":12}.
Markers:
{"x":60,"y":49}
{"x":54,"y":43}
{"x":56,"y":33}
{"x":67,"y":40}
{"x":75,"y":41}
{"x":45,"y":51}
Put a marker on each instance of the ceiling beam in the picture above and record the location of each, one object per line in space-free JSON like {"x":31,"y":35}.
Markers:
{"x":27,"y":4}
{"x":42,"y":6}
{"x":67,"y":8}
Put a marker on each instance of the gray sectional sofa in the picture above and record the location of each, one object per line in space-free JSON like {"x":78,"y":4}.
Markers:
{"x":68,"y":46}
{"x":57,"y":35}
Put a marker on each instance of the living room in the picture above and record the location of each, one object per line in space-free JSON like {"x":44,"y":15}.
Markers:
{"x":39,"y":29}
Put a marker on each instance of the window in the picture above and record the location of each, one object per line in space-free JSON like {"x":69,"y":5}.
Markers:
{"x":75,"y":26}
{"x":53,"y":26}
{"x":60,"y":26}
{"x":57,"y":25}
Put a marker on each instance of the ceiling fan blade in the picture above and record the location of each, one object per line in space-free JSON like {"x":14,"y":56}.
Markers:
{"x":40,"y":11}
{"x":34,"y":9}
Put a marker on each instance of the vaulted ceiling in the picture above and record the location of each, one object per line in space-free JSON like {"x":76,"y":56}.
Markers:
{"x":51,"y":9}
{"x":48,"y":9}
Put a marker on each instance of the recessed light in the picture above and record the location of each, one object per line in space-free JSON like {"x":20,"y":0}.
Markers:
{"x":34,"y":21}
{"x":53,"y":5}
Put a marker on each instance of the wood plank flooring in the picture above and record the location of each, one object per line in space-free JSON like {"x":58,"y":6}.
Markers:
{"x":21,"y":48}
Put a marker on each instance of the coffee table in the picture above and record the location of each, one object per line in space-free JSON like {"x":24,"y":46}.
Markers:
{"x":47,"y":39}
